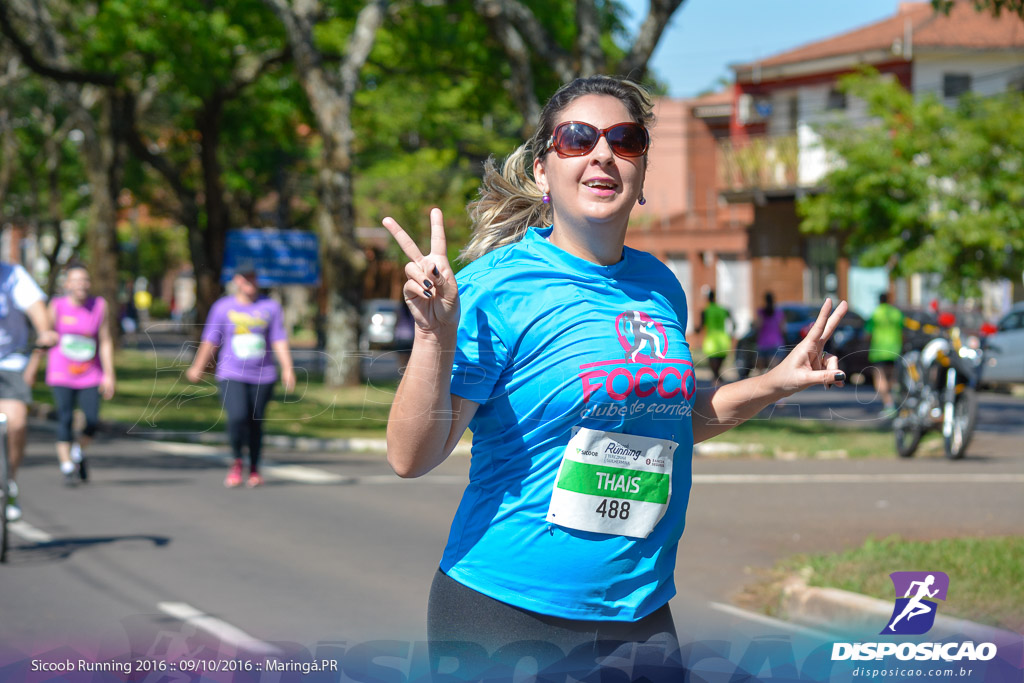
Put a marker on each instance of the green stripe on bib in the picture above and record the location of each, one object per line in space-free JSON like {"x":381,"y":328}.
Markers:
{"x":614,"y":482}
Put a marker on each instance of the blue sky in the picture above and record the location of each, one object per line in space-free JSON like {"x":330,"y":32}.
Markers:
{"x":705,"y":36}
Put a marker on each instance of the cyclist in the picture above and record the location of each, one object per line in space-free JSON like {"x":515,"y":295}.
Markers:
{"x":247,"y":327}
{"x":563,"y":351}
{"x":21,"y":302}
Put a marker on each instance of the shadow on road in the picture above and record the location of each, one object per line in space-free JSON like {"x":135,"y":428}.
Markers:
{"x":63,"y":548}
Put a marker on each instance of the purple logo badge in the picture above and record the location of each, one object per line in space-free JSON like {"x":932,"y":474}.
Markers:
{"x":915,"y":609}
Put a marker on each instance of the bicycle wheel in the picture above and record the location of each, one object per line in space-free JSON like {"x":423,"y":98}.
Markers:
{"x":965,"y":415}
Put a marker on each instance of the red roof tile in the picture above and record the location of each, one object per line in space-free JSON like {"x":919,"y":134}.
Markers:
{"x":964,"y":27}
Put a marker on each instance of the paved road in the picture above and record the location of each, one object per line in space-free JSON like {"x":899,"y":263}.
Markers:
{"x":335,"y":548}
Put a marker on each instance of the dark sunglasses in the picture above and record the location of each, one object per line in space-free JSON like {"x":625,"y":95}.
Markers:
{"x":575,"y":138}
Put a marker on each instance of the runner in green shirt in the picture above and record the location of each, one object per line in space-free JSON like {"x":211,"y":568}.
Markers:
{"x":717,"y":342}
{"x":886,"y":330}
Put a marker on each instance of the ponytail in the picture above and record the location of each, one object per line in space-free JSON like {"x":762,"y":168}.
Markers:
{"x":509,"y":203}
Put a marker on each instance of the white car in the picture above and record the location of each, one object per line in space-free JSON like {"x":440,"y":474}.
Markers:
{"x":1004,"y":350}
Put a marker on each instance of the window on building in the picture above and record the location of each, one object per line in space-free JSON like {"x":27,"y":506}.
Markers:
{"x":955,"y":85}
{"x":836,"y":100}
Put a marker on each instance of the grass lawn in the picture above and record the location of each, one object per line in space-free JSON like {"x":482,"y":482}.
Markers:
{"x":986,"y":576}
{"x":153,"y":395}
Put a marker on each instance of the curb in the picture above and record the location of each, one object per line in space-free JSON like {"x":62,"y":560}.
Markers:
{"x":41,"y":419}
{"x":832,"y":609}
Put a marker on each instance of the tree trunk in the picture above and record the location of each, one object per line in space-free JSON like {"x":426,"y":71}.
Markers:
{"x":330,"y":97}
{"x":342,"y":260}
{"x":214,"y":237}
{"x":103,"y":169}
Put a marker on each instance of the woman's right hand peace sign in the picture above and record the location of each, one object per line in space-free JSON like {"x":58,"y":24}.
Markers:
{"x":431,"y":291}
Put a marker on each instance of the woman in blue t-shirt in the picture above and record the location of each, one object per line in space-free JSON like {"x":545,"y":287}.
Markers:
{"x":563,"y":351}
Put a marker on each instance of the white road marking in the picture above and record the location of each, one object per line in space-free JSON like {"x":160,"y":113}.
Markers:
{"x":858,"y":478}
{"x":304,"y":474}
{"x":769,"y":621}
{"x":310,"y":475}
{"x":395,"y":479}
{"x":217,"y":627}
{"x":189,"y":449}
{"x":29,"y":532}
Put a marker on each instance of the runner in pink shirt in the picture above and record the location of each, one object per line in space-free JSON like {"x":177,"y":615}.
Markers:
{"x":80,"y":368}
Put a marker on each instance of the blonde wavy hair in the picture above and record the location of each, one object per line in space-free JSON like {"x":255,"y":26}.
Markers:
{"x":509,"y":200}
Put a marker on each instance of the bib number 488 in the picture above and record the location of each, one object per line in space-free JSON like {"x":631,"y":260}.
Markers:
{"x":613,"y":508}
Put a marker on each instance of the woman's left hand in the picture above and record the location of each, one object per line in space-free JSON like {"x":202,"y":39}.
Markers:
{"x":288,"y":380}
{"x":107,"y":387}
{"x":807,"y":364}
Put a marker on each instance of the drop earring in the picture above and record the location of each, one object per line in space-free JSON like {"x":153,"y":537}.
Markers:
{"x":546,"y":198}
{"x":642,"y":200}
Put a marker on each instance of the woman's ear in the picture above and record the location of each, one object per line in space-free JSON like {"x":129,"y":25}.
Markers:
{"x":540,"y":176}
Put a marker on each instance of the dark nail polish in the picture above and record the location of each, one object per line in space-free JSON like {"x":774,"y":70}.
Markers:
{"x":840,"y":376}
{"x":427,"y":293}
{"x":437,"y":273}
{"x":428,"y":284}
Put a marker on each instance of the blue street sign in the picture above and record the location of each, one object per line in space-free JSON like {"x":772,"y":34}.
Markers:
{"x":281,"y":257}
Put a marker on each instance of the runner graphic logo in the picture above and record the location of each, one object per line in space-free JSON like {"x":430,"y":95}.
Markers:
{"x":914,"y":612}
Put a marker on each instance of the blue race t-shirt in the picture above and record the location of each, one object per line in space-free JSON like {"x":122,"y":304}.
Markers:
{"x":548,"y":342}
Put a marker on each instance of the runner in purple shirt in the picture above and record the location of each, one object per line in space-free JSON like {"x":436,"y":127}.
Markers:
{"x":246,"y":327}
{"x":771,"y":334}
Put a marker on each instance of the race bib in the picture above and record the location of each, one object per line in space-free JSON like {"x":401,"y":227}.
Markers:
{"x":612,"y":483}
{"x":247,"y":346}
{"x":77,"y":348}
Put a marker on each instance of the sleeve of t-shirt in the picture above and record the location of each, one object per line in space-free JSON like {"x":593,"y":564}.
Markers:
{"x":672,"y":290}
{"x":216,"y":321}
{"x":480,"y":353}
{"x":25,"y":291}
{"x":275,"y":332}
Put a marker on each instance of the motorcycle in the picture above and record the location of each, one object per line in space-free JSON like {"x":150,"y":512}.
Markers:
{"x":937,"y":389}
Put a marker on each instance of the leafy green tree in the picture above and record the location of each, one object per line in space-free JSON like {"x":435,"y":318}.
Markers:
{"x":927,"y":188}
{"x":187,"y":66}
{"x":40,"y":164}
{"x":994,"y":7}
{"x":557,"y":41}
{"x":35,"y":32}
{"x":173,"y":79}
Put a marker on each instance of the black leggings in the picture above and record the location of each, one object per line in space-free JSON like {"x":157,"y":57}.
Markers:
{"x":245,"y":405}
{"x":486,"y":638}
{"x":88,"y":401}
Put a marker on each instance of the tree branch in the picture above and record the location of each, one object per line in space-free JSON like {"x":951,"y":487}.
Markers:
{"x":588,"y":38}
{"x":43,"y":67}
{"x":250,"y":72}
{"x":521,"y":87}
{"x":359,"y":45}
{"x":532,"y":31}
{"x":634,"y":65}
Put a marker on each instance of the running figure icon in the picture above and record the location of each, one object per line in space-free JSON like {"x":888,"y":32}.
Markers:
{"x":644,"y":334}
{"x":916,"y":607}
